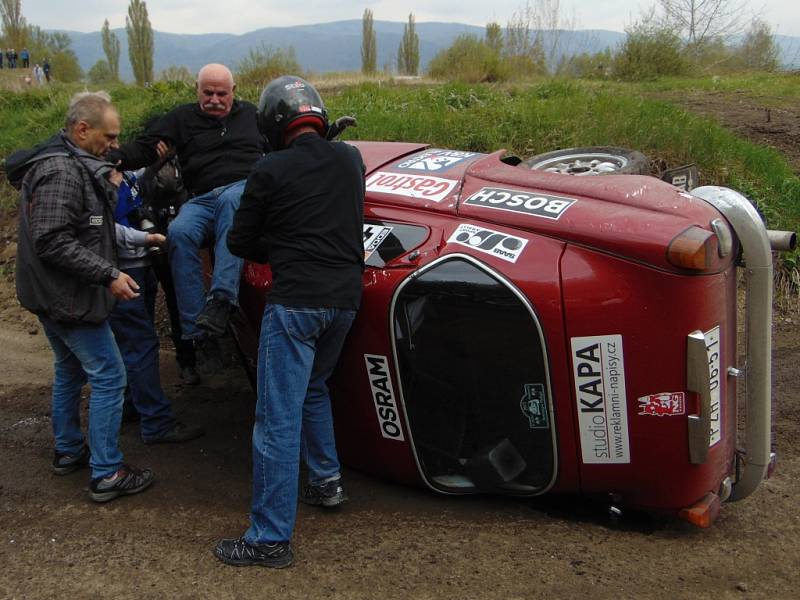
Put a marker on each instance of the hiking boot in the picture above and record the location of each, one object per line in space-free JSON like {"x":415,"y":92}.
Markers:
{"x":64,"y":464}
{"x":209,"y":355}
{"x":127,"y":480}
{"x":241,"y":554}
{"x":181,"y":432}
{"x":215,"y":316}
{"x":190,"y":375}
{"x":328,"y":494}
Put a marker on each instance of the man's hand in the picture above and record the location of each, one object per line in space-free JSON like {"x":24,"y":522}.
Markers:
{"x":156,"y":239}
{"x":162,"y":149}
{"x":115,"y":176}
{"x":124,"y":287}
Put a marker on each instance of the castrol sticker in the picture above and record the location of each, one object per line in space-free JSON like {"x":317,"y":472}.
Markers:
{"x":713,"y":351}
{"x":383,"y":395}
{"x":598,"y":367}
{"x":419,"y":187}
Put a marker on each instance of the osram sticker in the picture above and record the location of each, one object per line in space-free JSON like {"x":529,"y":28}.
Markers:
{"x":420,"y":187}
{"x":599,"y":370}
{"x":502,"y":245}
{"x":666,"y":404}
{"x":383,"y":395}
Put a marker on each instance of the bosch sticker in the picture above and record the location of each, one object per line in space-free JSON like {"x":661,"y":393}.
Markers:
{"x":713,"y":351}
{"x":422,"y":187}
{"x":599,"y":370}
{"x":667,"y":404}
{"x":434,"y":160}
{"x":534,"y":406}
{"x":383,"y":395}
{"x":502,"y":245}
{"x":373,"y":236}
{"x":527,"y":203}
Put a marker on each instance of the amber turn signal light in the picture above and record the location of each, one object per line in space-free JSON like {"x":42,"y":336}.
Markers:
{"x":695,"y":248}
{"x":703,"y":513}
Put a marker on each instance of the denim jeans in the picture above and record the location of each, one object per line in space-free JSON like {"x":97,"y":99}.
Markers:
{"x":87,"y":353}
{"x":297,"y":352}
{"x":132,"y":324}
{"x":204,"y":219}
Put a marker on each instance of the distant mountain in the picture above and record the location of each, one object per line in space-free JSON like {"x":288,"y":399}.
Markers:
{"x":336,"y":46}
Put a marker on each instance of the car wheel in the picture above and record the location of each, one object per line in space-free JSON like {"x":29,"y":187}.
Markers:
{"x":594,"y":160}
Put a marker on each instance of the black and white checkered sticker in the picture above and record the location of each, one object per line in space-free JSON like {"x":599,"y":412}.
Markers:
{"x":502,"y":245}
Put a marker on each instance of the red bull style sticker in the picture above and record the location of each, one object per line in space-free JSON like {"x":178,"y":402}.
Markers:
{"x":599,"y":371}
{"x":665,"y":404}
{"x":420,"y":187}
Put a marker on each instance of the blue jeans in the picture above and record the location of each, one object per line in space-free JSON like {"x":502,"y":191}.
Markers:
{"x":204,"y":219}
{"x":87,"y":353}
{"x":132,"y":324}
{"x":297,"y":352}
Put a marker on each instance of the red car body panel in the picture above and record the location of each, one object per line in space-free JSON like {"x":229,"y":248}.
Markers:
{"x":591,"y":276}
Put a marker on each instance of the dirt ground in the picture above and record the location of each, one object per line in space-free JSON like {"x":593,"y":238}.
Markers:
{"x":389,"y":541}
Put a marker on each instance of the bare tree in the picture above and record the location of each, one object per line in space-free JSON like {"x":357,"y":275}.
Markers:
{"x":111,"y":50}
{"x":699,"y":21}
{"x":15,"y":30}
{"x":369,"y":53}
{"x":140,"y":41}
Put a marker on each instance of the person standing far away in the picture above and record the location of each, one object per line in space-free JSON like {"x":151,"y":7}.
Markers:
{"x":26,"y":58}
{"x":303,"y":211}
{"x":217,"y":145}
{"x":66,"y":274}
{"x":37,"y":74}
{"x":46,"y":69}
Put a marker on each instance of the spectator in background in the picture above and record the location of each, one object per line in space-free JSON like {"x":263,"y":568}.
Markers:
{"x":38,"y":74}
{"x":26,"y":58}
{"x":46,"y":69}
{"x":2,"y":55}
{"x":13,"y":59}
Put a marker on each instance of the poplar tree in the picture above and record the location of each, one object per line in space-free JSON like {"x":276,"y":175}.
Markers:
{"x":111,"y":50}
{"x":408,"y":53}
{"x":369,"y":53}
{"x":140,"y":42}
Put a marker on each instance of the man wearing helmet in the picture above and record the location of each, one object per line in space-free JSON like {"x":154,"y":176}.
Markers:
{"x":217,"y":146}
{"x":301,"y":211}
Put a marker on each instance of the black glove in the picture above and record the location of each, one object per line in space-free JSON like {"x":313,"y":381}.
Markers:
{"x":339,"y":125}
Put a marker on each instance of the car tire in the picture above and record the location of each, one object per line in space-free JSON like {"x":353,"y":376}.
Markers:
{"x":592,"y":160}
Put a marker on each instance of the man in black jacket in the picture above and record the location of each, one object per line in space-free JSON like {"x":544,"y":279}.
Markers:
{"x":302,"y":211}
{"x":67,"y":275}
{"x":217,"y":146}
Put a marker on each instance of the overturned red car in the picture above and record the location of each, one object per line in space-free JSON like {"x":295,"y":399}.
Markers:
{"x":526,"y":331}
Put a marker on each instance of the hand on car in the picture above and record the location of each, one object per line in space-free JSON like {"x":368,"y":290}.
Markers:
{"x":124,"y":287}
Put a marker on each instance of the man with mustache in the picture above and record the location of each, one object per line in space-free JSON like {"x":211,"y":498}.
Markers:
{"x":216,"y":144}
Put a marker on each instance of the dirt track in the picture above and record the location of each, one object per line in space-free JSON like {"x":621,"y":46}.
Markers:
{"x":388,"y":542}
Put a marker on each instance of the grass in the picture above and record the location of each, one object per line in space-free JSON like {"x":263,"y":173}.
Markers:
{"x":526,"y":119}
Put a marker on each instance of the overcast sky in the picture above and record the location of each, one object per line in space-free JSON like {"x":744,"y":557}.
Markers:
{"x":240,"y":16}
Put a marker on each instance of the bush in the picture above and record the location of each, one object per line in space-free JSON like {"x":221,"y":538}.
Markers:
{"x":469,"y":60}
{"x":264,"y":64}
{"x":100,"y":73}
{"x":649,"y":52}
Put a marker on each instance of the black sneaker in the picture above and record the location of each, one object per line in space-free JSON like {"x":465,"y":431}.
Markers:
{"x":241,"y":554}
{"x":190,"y":375}
{"x":329,"y":494}
{"x":209,"y":355}
{"x":64,"y":464}
{"x":215,"y":316}
{"x":181,"y":432}
{"x":128,"y":480}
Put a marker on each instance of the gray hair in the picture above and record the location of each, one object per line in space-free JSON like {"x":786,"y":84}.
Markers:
{"x":89,"y":107}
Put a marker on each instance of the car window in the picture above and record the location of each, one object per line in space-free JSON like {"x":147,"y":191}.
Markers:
{"x":385,"y":240}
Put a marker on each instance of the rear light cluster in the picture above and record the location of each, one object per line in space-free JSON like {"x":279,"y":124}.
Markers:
{"x":702,"y":250}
